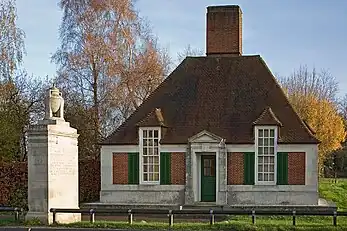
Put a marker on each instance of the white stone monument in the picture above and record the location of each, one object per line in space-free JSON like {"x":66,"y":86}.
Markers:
{"x":52,"y":164}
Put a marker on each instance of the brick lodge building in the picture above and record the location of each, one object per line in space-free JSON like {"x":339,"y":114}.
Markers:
{"x":219,"y":129}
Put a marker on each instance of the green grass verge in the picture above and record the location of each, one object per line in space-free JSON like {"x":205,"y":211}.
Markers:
{"x":230,"y":225}
{"x":335,"y":192}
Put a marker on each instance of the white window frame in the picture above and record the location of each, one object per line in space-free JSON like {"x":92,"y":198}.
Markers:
{"x":256,"y":131}
{"x":141,"y":129}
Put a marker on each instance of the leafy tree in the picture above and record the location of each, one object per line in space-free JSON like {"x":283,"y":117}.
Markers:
{"x":11,"y":40}
{"x":313,"y":96}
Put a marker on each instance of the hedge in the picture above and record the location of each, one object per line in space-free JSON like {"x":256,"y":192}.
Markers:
{"x":14,"y":182}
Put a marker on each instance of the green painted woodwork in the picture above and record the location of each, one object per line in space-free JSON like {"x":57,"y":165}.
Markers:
{"x":165,"y":168}
{"x":208,"y":178}
{"x":282,"y":168}
{"x":249,"y":168}
{"x":133,"y":168}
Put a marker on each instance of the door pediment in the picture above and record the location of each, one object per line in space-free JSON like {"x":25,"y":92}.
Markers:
{"x":205,"y":137}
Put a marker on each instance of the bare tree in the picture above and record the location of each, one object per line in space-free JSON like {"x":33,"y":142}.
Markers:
{"x":304,"y":82}
{"x":11,"y":40}
{"x":108,"y":60}
{"x":189,"y":51}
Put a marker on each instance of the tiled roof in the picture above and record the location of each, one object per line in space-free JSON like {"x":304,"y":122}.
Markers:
{"x":154,"y":118}
{"x":267,"y":117}
{"x":223,"y":95}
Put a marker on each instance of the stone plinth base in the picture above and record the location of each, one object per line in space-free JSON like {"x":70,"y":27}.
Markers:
{"x":47,"y":218}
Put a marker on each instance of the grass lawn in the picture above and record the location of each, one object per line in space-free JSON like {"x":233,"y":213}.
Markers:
{"x":336,"y":192}
{"x":327,"y":189}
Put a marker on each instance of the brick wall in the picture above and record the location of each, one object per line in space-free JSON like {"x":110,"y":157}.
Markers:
{"x":296,"y":168}
{"x":235,"y":168}
{"x":178,"y":168}
{"x":120,"y":168}
{"x":224,"y":30}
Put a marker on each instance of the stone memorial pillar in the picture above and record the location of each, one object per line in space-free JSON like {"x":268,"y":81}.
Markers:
{"x":52,"y":164}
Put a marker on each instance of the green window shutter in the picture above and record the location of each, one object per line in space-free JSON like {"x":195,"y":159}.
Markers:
{"x":165,"y":168}
{"x":249,"y":167}
{"x":133,"y":168}
{"x":282,"y":168}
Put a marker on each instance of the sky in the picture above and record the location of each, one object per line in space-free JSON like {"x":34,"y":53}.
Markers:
{"x":285,"y":33}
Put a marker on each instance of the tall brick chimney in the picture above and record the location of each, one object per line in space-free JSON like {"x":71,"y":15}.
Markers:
{"x":224,"y":31}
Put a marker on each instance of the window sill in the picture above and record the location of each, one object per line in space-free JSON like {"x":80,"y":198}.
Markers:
{"x":265,"y":184}
{"x":150,"y":183}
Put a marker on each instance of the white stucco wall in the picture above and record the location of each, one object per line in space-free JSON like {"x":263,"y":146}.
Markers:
{"x":237,"y":194}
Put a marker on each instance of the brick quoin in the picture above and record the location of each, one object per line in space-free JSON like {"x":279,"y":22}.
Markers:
{"x":120,"y":168}
{"x":178,"y":168}
{"x":235,"y":168}
{"x":296,"y":168}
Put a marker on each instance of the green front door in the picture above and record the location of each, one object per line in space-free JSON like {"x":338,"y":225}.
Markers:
{"x":208,"y":178}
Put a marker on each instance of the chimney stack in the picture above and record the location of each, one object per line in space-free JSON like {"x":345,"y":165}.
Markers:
{"x":224,"y":31}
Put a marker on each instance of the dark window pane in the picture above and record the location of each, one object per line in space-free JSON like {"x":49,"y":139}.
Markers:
{"x":156,"y":176}
{"x":260,"y":177}
{"x":145,"y":177}
{"x":266,"y":133}
{"x":260,"y":151}
{"x":271,"y":177}
{"x":266,"y":177}
{"x":272,"y":141}
{"x":156,"y":159}
{"x":261,"y":133}
{"x":266,"y":142}
{"x":150,"y":133}
{"x":156,"y":135}
{"x":145,"y":151}
{"x":260,"y":141}
{"x":150,"y":177}
{"x":272,"y":159}
{"x":145,"y":159}
{"x":260,"y":159}
{"x":144,"y":134}
{"x":272,"y":133}
{"x":260,"y":168}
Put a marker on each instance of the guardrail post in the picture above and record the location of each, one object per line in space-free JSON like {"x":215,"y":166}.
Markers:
{"x":130,"y":217}
{"x":211,"y":217}
{"x":92,"y":215}
{"x":54,"y":216}
{"x":171,"y":218}
{"x":335,"y":218}
{"x":253,"y":217}
{"x":294,"y":218}
{"x":16,"y":214}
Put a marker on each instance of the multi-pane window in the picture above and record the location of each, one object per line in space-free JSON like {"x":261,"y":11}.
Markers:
{"x":150,"y":155}
{"x":266,"y":155}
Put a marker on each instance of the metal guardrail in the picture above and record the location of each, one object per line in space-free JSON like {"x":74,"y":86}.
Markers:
{"x":170,"y":213}
{"x":11,"y":209}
